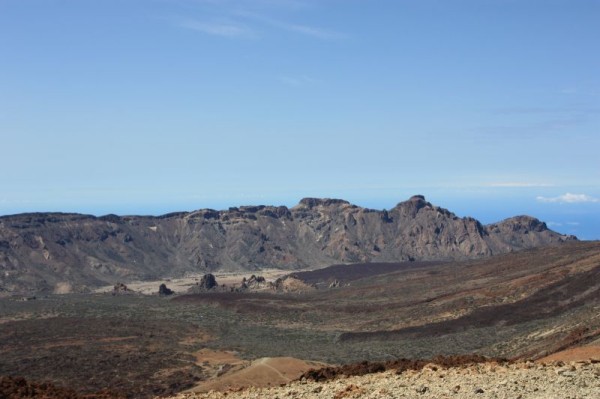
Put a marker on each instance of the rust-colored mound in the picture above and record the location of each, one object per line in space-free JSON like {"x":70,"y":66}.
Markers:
{"x":582,"y":353}
{"x":268,"y":371}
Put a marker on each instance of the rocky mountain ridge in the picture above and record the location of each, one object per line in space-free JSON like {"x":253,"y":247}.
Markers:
{"x":57,"y":252}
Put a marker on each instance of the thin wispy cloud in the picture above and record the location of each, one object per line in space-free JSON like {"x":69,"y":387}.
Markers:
{"x":519,"y":184}
{"x":319,"y":33}
{"x":578,"y":92}
{"x":296,"y":81}
{"x":568,"y":90}
{"x":229,"y":29}
{"x":294,"y":4}
{"x":568,"y":198}
{"x":549,"y":128}
{"x":547,"y":110}
{"x":241,"y":19}
{"x":307,"y":30}
{"x":533,"y":122}
{"x":559,"y":224}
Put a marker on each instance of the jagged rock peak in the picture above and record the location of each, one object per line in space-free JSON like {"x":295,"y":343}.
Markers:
{"x":523,"y":222}
{"x":415,"y":202}
{"x":313,"y":202}
{"x":417,"y":197}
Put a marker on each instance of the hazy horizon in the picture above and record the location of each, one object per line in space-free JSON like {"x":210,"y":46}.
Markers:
{"x":581,"y":222}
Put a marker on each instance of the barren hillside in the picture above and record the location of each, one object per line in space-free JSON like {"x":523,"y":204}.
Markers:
{"x":61,"y":253}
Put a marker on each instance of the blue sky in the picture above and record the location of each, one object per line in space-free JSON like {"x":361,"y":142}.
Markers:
{"x":490,"y":108}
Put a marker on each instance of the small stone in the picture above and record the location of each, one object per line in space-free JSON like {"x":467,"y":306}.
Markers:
{"x":566,"y":373}
{"x":479,"y":390}
{"x":422,"y":389}
{"x":456,"y":389}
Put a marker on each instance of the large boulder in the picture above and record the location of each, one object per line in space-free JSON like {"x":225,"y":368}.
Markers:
{"x":208,"y":282}
{"x":164,"y":291}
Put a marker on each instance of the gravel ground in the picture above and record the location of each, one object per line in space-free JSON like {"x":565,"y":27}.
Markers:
{"x":489,"y":380}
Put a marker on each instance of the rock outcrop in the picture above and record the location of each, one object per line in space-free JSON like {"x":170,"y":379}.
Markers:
{"x":253,"y":283}
{"x":39,"y":251}
{"x":121,"y":289}
{"x":163,"y":290}
{"x":208,"y":282}
{"x":290,"y":284}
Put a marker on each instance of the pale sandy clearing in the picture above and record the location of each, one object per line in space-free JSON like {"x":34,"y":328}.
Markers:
{"x":181,"y":285}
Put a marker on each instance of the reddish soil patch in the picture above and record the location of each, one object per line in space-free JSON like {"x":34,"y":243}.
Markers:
{"x":583,"y":353}
{"x":269,"y":371}
{"x":215,"y":357}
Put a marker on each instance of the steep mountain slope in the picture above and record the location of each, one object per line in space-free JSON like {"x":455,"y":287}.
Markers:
{"x":57,"y":252}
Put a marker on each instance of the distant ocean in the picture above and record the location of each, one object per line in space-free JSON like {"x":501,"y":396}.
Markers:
{"x":581,"y":220}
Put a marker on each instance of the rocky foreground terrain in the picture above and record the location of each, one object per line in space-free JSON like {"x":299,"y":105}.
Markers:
{"x":501,"y":380}
{"x":62,"y":253}
{"x":524,"y":380}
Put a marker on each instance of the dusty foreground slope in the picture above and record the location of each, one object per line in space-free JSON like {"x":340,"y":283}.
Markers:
{"x":487,"y":380}
{"x":55,"y":252}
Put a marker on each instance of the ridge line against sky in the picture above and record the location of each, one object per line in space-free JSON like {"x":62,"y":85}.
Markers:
{"x":490,"y":109}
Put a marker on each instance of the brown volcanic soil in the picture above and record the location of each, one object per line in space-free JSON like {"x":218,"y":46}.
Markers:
{"x":136,"y":357}
{"x":569,"y":293}
{"x":529,"y":303}
{"x":356,"y":271}
{"x":18,"y":388}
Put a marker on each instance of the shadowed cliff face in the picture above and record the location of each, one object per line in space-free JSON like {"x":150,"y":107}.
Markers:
{"x":53,"y":252}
